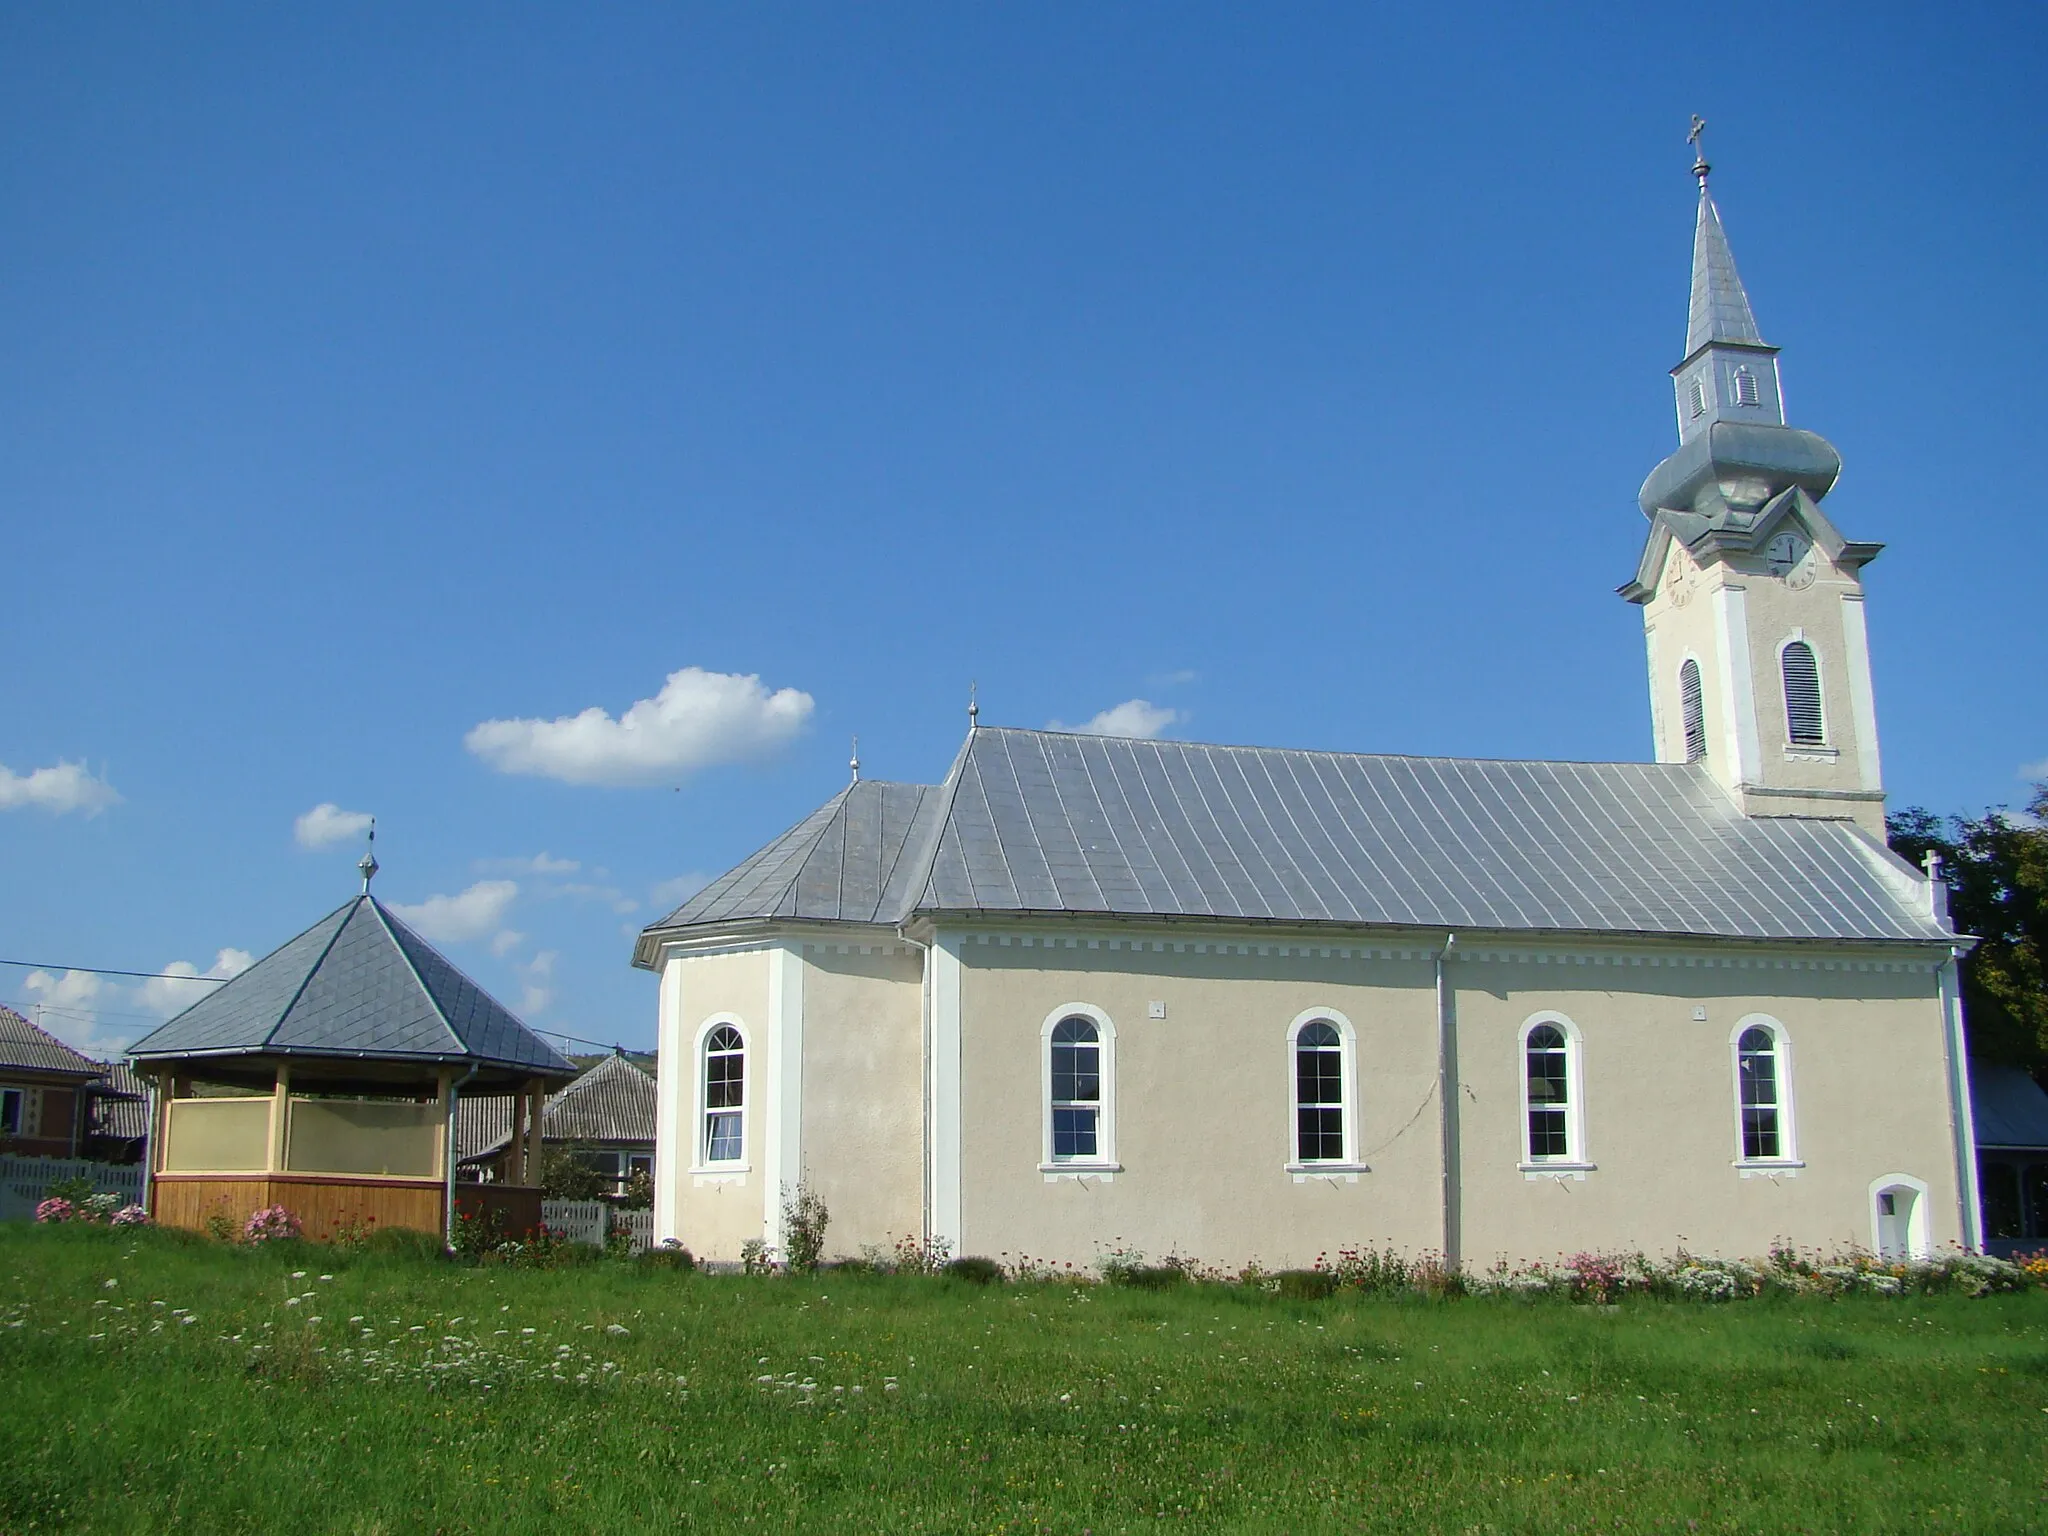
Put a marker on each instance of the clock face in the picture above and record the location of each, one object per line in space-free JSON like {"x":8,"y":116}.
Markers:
{"x":1785,"y":552}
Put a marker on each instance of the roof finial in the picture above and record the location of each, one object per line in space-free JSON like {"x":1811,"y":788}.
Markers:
{"x":855,"y":764}
{"x":973,"y":705}
{"x":1699,"y":150}
{"x":367,"y":864}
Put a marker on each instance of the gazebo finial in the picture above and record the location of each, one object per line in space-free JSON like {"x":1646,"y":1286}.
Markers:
{"x":367,"y":864}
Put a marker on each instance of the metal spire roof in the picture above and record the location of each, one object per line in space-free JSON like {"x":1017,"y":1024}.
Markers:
{"x":1720,"y":307}
{"x":359,"y":984}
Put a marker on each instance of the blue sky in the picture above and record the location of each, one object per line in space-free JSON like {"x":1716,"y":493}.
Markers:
{"x":371,"y":374}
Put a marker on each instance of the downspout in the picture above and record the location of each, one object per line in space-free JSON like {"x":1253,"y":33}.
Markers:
{"x":1447,"y":1099}
{"x":448,"y":1156}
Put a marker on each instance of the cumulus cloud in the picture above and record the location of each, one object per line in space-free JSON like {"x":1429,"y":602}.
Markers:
{"x":2033,"y":772}
{"x":469,"y":914}
{"x":542,"y":863}
{"x":327,"y":824}
{"x":1133,"y":717}
{"x":697,"y":720}
{"x":170,"y":993}
{"x":505,"y":941}
{"x":58,"y":789}
{"x":536,"y":992}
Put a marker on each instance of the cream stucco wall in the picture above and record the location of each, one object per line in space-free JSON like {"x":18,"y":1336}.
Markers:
{"x":1203,"y":1108}
{"x":863,"y":1102}
{"x":1868,"y":1091}
{"x":711,"y":1212}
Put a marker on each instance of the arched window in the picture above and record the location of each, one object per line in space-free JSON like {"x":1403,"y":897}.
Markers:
{"x":1076,"y":1101}
{"x":1550,"y":1094}
{"x":1319,"y":1093}
{"x":725,"y":1095}
{"x":1745,"y":387}
{"x":1758,"y":1093}
{"x":1803,"y":721}
{"x":1696,"y":397}
{"x":1692,"y":710}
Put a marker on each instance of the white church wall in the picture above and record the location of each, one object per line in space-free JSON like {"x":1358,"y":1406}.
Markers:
{"x":1203,"y":1111}
{"x":1656,"y":1087}
{"x":712,"y":1208}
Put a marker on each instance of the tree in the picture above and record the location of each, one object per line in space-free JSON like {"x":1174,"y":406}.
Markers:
{"x":1997,"y":870}
{"x":566,"y":1172}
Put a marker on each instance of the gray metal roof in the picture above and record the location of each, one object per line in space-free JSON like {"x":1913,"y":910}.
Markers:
{"x":1720,"y":307}
{"x":2008,"y":1106}
{"x":1047,"y":822}
{"x":853,"y":860}
{"x":26,"y":1048}
{"x":357,"y":984}
{"x":612,"y":1102}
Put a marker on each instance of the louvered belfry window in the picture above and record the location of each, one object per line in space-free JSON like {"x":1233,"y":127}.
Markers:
{"x":1693,"y":711}
{"x":1802,"y":696}
{"x":1696,"y":396}
{"x":1745,"y":387}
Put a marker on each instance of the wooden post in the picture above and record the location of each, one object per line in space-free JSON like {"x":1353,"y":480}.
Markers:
{"x":515,"y":1152}
{"x":536,"y":1141}
{"x":442,"y":1149}
{"x":280,"y":1115}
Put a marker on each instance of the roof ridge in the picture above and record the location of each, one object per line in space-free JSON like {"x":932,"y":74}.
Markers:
{"x":1407,"y":757}
{"x":306,"y":980}
{"x":420,"y":981}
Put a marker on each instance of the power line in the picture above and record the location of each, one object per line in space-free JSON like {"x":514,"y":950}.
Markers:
{"x":100,"y":970}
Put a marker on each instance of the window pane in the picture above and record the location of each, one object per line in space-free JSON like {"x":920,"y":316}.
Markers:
{"x":1759,"y":1078}
{"x":1076,"y":1074}
{"x":1547,"y":1133}
{"x":1073,"y":1132}
{"x":2003,"y":1216}
{"x":1074,"y":1032}
{"x":722,"y":1138}
{"x":1760,"y":1133}
{"x":725,"y":1081}
{"x":723,"y":1038}
{"x":1319,"y":1077}
{"x":2034,"y":1186}
{"x":1547,"y":1084}
{"x":1320,"y":1033}
{"x":1319,"y":1135}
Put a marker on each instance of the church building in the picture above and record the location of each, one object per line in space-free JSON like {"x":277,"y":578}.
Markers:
{"x":1245,"y":1003}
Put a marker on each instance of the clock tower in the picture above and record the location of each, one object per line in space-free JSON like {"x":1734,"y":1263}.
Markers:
{"x":1752,"y":599}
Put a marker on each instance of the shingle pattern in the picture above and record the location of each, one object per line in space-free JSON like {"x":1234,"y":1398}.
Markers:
{"x":27,"y":1048}
{"x":358,"y":983}
{"x":612,"y":1101}
{"x":1046,"y":822}
{"x":120,"y":1105}
{"x":1720,"y":305}
{"x":2008,"y":1106}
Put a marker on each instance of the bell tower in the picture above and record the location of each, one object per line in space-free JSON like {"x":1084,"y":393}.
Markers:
{"x":1752,"y":599}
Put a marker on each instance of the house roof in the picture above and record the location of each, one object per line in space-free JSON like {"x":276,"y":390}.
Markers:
{"x":357,"y":985}
{"x":1041,"y":822}
{"x":25,"y":1048}
{"x":610,"y":1102}
{"x":2008,"y":1106}
{"x":120,"y":1105}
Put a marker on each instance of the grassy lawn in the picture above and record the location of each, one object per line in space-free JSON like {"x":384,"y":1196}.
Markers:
{"x":160,"y":1384}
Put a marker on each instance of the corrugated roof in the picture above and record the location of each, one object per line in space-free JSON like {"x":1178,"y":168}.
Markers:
{"x":1045,"y":822}
{"x":26,"y":1048}
{"x":358,"y":983}
{"x":2008,"y":1106}
{"x":120,"y":1105}
{"x":612,"y":1101}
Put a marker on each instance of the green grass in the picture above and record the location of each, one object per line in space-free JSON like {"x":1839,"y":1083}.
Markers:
{"x":1049,"y":1408}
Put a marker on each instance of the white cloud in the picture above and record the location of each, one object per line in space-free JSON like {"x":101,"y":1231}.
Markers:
{"x":57,"y":789}
{"x":505,"y":941}
{"x":2032,"y":772}
{"x":535,"y":992}
{"x":671,"y":894}
{"x":610,"y":895}
{"x":542,"y":863}
{"x":698,"y":719}
{"x":168,"y":995}
{"x":469,"y":914}
{"x":1133,"y":717}
{"x":327,"y":824}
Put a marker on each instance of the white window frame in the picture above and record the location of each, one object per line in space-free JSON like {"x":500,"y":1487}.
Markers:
{"x":1919,"y":1242}
{"x":1347,"y":1167}
{"x":1735,"y":390}
{"x":1787,"y":1159}
{"x":1576,"y":1163}
{"x":1104,"y":1164}
{"x":1825,"y":746}
{"x":700,"y":1144}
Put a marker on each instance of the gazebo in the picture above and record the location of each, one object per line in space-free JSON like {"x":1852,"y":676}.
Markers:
{"x":325,"y":1079}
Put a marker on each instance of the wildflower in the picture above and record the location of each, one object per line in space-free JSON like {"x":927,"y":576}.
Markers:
{"x":111,"y":1285}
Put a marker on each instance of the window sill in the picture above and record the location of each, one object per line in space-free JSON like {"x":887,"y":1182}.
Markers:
{"x":1812,"y":754}
{"x":1557,"y":1168}
{"x":1348,"y":1172}
{"x":1767,"y":1167}
{"x":1104,"y":1171}
{"x":719,"y":1173}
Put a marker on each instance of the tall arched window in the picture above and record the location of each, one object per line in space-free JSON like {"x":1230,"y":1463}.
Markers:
{"x":1550,"y":1092}
{"x":725,"y":1095}
{"x":1745,"y":387}
{"x":1319,"y":1093}
{"x":1803,"y":720}
{"x":1692,"y":710}
{"x":1756,"y":1077}
{"x":1076,"y":1061}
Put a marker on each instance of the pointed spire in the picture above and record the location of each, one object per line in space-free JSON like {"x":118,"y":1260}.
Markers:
{"x":1720,"y":307}
{"x":367,"y":864}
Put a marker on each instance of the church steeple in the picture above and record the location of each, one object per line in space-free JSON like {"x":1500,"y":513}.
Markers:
{"x":1720,"y":306}
{"x":1729,"y":372}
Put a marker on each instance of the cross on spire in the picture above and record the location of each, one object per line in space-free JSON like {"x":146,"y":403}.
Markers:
{"x":1699,"y":149}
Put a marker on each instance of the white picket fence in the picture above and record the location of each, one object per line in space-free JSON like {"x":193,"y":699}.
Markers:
{"x":584,"y":1221}
{"x":24,"y":1181}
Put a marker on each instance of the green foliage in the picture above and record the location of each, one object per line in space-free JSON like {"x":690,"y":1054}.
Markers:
{"x":1304,"y":1284}
{"x":804,"y":1219}
{"x":677,"y":1259}
{"x":566,"y":1173}
{"x":1997,"y":869}
{"x":975,"y":1271}
{"x":639,"y":1195}
{"x":756,"y":1257}
{"x":404,"y":1243}
{"x":1195,"y":1408}
{"x":77,"y":1190}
